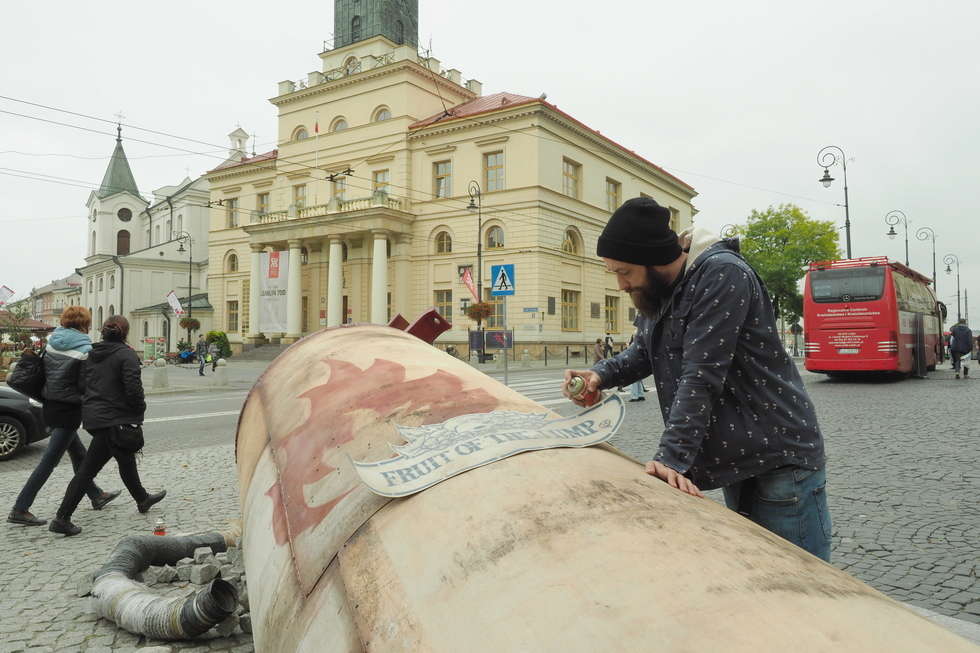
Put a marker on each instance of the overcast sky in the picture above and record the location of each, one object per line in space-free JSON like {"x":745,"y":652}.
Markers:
{"x":734,"y":98}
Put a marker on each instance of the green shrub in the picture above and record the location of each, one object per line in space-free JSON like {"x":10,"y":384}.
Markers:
{"x":221,"y":339}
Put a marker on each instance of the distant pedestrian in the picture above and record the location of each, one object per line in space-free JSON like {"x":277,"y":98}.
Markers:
{"x":213,"y":353}
{"x":637,"y":389}
{"x":113,"y":396}
{"x":201,"y":351}
{"x":960,"y":346}
{"x":66,"y":350}
{"x":597,"y":350}
{"x":607,"y":345}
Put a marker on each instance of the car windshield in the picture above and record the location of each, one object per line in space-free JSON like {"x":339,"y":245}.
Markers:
{"x":847,"y":285}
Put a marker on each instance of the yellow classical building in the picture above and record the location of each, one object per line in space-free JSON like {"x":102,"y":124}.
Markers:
{"x":382,"y":157}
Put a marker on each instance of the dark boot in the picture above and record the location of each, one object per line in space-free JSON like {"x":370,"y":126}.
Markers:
{"x":63,"y":526}
{"x":25,"y":518}
{"x":100,"y":501}
{"x":151,"y":499}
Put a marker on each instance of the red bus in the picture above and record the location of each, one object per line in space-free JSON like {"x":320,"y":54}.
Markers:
{"x":870,"y":315}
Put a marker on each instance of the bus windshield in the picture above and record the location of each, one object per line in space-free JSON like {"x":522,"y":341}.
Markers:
{"x":847,"y":285}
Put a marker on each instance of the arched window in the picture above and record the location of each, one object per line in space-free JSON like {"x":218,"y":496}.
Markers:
{"x":381,"y":114}
{"x":101,"y":284}
{"x":112,"y":310}
{"x":101,"y":319}
{"x":112,"y":281}
{"x":122,"y":242}
{"x":170,"y":231}
{"x":495,"y":237}
{"x":180,"y":223}
{"x":146,"y":329}
{"x":90,"y":290}
{"x":355,"y":29}
{"x":444,"y":243}
{"x":339,"y":124}
{"x":300,"y":133}
{"x":93,"y":242}
{"x":231,"y":263}
{"x":572,"y":243}
{"x":304,"y":256}
{"x":399,"y":32}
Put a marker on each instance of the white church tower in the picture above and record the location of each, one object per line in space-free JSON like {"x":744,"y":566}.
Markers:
{"x":112,"y":230}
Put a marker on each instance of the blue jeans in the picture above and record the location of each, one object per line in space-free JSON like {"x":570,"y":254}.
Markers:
{"x":200,"y":370}
{"x":636,"y":390}
{"x":61,"y":440}
{"x":789,"y":501}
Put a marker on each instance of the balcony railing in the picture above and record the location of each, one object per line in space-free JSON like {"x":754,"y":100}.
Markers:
{"x":378,"y":200}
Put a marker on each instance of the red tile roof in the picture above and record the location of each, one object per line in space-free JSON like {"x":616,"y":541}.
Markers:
{"x":247,"y":160}
{"x":28,"y":324}
{"x":500,"y":101}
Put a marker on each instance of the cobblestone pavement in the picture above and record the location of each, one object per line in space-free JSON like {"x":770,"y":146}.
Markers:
{"x":39,"y":609}
{"x":903,"y":482}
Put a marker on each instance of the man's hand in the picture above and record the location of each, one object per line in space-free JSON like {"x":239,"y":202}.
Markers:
{"x":591,"y":384}
{"x":672,"y":478}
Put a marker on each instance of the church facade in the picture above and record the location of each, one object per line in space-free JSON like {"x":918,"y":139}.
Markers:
{"x":398,"y":186}
{"x":139,"y":250}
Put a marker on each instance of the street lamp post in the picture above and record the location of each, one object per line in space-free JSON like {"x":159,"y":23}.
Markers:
{"x":892,"y":218}
{"x":922,"y":233}
{"x":182,"y":237}
{"x":476,"y":204}
{"x":949,"y":259}
{"x":827,"y":157}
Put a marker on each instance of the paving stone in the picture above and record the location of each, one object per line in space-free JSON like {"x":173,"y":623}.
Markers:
{"x":83,"y":583}
{"x":201,"y":574}
{"x":960,"y":582}
{"x":227,"y":626}
{"x":167,"y":574}
{"x":221,"y":558}
{"x":184,"y":572}
{"x":156,"y":649}
{"x":245,"y":621}
{"x":226,"y":571}
{"x":151,"y":575}
{"x":203,"y":554}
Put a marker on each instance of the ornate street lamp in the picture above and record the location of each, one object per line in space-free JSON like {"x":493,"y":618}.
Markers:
{"x":948,"y":260}
{"x":476,"y":204}
{"x":924,"y":233}
{"x":892,"y":218}
{"x":826,"y":158}
{"x":181,"y":238}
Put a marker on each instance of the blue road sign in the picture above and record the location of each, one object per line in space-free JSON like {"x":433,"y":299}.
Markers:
{"x":503,"y":279}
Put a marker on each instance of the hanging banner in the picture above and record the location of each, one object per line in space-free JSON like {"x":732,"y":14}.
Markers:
{"x":468,"y":280}
{"x":272,"y":291}
{"x":435,"y":452}
{"x":175,"y":303}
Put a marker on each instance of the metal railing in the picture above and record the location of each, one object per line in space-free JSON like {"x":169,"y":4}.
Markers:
{"x":378,"y":200}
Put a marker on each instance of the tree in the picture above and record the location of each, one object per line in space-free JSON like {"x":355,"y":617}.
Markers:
{"x":13,"y":326}
{"x":780,"y":243}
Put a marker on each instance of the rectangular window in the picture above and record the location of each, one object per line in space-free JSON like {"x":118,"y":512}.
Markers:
{"x":382,"y":181}
{"x":497,"y":319}
{"x":232,"y":310}
{"x":231,"y":215}
{"x":675,"y":217}
{"x":262,"y":203}
{"x":299,"y":195}
{"x":612,"y":314}
{"x":157,"y":234}
{"x":571,"y":175}
{"x":493,"y":171}
{"x":614,"y":194}
{"x":569,"y":310}
{"x":305,"y":324}
{"x":442,"y":176}
{"x":443,"y":301}
{"x":389,"y":307}
{"x":340,"y":188}
{"x":148,"y":241}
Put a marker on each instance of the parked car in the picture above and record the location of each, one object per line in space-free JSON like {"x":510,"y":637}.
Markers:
{"x":21,"y":422}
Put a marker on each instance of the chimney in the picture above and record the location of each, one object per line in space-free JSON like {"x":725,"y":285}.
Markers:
{"x":475,"y":87}
{"x":314,"y":78}
{"x":455,"y":76}
{"x":434,"y":65}
{"x":287,"y":86}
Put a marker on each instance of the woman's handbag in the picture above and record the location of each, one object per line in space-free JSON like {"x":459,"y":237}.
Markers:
{"x":28,"y":377}
{"x":126,"y":437}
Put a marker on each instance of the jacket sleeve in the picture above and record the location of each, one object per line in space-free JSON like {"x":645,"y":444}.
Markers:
{"x":132,"y":381}
{"x":714,"y":324}
{"x":626,"y":367}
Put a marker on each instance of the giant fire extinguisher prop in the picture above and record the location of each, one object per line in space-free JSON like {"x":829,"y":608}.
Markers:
{"x":558,"y":549}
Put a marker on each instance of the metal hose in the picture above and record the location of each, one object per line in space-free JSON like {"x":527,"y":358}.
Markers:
{"x":139,"y":610}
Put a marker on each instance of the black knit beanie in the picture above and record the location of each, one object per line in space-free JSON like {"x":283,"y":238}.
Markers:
{"x":639,"y":232}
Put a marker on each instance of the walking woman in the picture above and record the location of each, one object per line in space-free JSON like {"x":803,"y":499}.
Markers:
{"x":67,"y":349}
{"x":113,"y":395}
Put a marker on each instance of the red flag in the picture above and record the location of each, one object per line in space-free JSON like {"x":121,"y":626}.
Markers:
{"x":316,"y":127}
{"x":468,"y":280}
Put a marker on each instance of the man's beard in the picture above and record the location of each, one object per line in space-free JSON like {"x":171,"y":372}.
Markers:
{"x":650,"y":297}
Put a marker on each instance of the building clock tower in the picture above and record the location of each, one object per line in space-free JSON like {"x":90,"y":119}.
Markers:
{"x":357,"y":20}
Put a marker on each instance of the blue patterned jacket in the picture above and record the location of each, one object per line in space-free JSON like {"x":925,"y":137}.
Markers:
{"x":733,"y":401}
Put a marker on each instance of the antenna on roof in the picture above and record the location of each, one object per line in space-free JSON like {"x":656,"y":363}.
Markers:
{"x":253,"y":143}
{"x":435,"y":82}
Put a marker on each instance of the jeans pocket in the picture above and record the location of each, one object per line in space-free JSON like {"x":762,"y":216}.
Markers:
{"x":823,"y":512}
{"x":778,"y":488}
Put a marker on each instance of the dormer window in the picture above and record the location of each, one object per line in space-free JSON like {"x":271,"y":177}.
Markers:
{"x":399,"y":32}
{"x":355,"y":29}
{"x":352,"y":65}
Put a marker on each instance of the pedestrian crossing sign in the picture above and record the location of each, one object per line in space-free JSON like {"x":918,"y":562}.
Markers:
{"x":503,"y":280}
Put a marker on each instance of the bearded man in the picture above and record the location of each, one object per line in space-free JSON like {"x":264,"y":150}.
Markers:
{"x":736,"y":413}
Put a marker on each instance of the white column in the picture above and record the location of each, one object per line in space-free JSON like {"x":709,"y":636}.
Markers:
{"x":254,"y":310}
{"x":294,"y":292}
{"x":335,"y":285}
{"x":403,"y":278}
{"x":379,"y":279}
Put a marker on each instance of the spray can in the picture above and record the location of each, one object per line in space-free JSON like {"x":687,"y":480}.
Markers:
{"x":576,"y":388}
{"x":160,"y":528}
